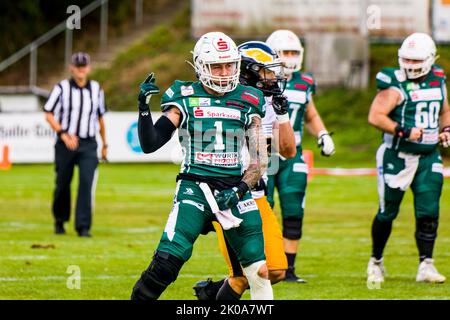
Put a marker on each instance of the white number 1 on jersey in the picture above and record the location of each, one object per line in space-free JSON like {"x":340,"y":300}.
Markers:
{"x":219,"y":138}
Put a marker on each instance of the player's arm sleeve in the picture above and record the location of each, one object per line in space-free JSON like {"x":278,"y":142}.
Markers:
{"x":154,"y":136}
{"x":54,"y":101}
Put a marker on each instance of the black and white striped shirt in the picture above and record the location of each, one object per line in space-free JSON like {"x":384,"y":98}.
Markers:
{"x":77,"y":109}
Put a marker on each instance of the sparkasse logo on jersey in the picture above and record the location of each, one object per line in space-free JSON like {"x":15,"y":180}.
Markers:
{"x":216,"y":112}
{"x":426,"y":95}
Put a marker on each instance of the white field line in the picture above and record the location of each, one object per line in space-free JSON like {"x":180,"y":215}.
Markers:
{"x":103,"y":277}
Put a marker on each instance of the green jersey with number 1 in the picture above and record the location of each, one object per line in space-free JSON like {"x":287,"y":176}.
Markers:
{"x":420,"y":107}
{"x":212,"y":129}
{"x":299,"y":91}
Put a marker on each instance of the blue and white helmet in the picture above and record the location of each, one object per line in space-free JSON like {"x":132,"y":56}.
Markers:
{"x":260,"y":67}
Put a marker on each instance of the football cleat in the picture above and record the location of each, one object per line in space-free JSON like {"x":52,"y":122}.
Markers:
{"x":427,"y":272}
{"x":206,"y":290}
{"x":375,"y":271}
{"x":292,"y":277}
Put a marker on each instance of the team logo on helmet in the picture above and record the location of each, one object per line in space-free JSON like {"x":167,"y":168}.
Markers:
{"x":222,"y":45}
{"x":258,"y":55}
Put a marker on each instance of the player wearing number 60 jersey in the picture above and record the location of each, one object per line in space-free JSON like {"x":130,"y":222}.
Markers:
{"x":411,"y":108}
{"x":291,"y":178}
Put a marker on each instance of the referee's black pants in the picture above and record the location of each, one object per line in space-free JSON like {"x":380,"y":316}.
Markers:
{"x":85,"y":156}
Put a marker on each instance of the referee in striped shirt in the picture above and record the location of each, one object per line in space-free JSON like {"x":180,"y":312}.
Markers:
{"x":75,"y":111}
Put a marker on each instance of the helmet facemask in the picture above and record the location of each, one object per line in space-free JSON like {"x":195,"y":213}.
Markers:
{"x":269,"y":78}
{"x":416,"y":70}
{"x":220,"y":84}
{"x":291,"y":64}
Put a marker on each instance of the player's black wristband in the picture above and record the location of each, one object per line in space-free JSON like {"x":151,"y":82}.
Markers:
{"x":242,"y":189}
{"x":402,"y":132}
{"x":446,"y":129}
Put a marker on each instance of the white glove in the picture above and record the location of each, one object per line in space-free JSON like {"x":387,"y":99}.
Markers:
{"x":326,"y":143}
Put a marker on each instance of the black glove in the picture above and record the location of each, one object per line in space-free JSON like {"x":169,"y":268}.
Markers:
{"x":280,"y":104}
{"x":229,"y":198}
{"x":148,"y":87}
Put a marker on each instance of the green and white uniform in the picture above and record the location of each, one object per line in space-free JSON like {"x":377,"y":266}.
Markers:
{"x":291,"y":178}
{"x":212,"y":133}
{"x":402,"y":163}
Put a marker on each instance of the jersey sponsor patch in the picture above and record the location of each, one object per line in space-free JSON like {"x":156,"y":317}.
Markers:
{"x":426,"y":95}
{"x":219,"y":159}
{"x":438,"y":168}
{"x":187,"y":91}
{"x":295,"y":96}
{"x":300,"y":167}
{"x":199,"y":102}
{"x":434,"y":84}
{"x":412,"y":86}
{"x":430,"y":136}
{"x":217,"y":112}
{"x":247,"y":206}
{"x":300,"y":86}
{"x":251,"y":97}
{"x":169,"y":92}
{"x":384,"y":77}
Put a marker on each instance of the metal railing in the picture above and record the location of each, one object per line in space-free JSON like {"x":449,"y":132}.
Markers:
{"x":31,"y":49}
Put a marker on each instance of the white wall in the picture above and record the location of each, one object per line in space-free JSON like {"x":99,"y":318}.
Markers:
{"x":31,"y":140}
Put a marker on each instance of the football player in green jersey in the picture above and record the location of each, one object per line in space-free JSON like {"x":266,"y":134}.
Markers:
{"x":291,"y":178}
{"x":411,"y":109}
{"x":260,"y":68}
{"x":214,"y":117}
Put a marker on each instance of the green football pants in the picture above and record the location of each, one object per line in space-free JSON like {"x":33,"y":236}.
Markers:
{"x":191,"y":214}
{"x":399,"y":171}
{"x":290,"y":181}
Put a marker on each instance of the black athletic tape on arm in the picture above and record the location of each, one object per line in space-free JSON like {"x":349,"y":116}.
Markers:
{"x":152,"y":137}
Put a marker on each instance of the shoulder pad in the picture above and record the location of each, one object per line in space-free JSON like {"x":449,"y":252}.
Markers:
{"x":389,"y":77}
{"x":177,"y":90}
{"x":438,"y":71}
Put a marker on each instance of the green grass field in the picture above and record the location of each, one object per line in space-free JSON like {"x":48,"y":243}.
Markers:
{"x":132,"y":204}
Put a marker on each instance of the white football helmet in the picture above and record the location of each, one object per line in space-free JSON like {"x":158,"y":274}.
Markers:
{"x":283,"y":40}
{"x":214,"y":48}
{"x":418,"y":46}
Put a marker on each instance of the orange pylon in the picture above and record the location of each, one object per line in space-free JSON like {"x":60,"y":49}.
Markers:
{"x":308,"y":157}
{"x":5,"y":164}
